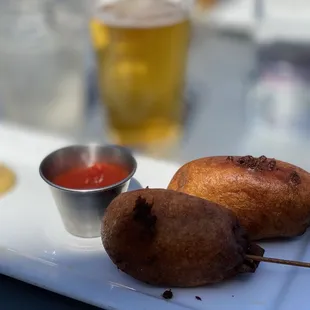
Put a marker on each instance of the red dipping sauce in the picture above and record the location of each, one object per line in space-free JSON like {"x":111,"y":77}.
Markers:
{"x":96,"y":176}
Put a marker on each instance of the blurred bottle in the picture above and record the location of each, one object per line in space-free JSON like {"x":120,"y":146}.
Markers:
{"x":205,"y":4}
{"x":278,"y":105}
{"x":280,"y":97}
{"x":42,"y":62}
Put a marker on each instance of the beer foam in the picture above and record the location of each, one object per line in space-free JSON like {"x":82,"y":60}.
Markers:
{"x":141,"y":13}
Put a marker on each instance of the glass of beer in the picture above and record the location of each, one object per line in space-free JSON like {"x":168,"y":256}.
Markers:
{"x":141,"y":48}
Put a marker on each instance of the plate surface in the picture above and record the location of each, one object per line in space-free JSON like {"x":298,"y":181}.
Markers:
{"x":35,"y":248}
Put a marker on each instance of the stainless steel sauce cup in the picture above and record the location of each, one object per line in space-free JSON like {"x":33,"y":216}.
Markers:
{"x":81,"y":210}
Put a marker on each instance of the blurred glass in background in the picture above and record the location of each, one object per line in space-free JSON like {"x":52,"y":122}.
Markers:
{"x":42,"y":62}
{"x":278,"y":105}
{"x":141,"y":48}
{"x":206,"y":4}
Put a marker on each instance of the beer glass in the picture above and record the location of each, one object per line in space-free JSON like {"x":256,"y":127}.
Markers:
{"x":141,"y":49}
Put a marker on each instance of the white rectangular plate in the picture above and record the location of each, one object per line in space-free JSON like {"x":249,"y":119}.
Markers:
{"x":35,"y":248}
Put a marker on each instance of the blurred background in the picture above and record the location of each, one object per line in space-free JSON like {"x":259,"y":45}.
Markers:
{"x":246,"y":74}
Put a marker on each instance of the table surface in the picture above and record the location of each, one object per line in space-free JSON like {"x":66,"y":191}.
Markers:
{"x":34,"y":298}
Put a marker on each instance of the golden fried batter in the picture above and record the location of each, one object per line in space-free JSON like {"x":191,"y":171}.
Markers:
{"x":270,"y":197}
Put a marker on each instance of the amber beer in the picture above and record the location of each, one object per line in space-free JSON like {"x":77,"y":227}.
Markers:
{"x":141,"y":66}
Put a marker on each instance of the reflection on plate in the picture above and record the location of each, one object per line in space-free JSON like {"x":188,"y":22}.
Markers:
{"x":7,"y":179}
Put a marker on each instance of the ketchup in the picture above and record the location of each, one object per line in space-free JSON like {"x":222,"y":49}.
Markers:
{"x":96,"y":176}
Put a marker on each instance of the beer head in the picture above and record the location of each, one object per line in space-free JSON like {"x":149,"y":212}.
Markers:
{"x":141,"y":13}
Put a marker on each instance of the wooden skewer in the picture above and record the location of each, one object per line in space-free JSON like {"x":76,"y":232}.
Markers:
{"x":278,"y":261}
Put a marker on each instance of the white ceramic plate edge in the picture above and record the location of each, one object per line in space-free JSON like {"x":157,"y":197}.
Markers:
{"x":64,"y":281}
